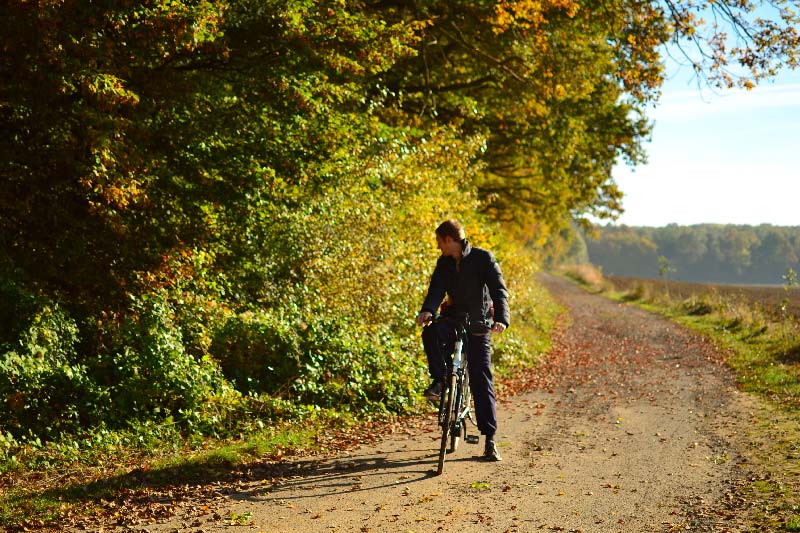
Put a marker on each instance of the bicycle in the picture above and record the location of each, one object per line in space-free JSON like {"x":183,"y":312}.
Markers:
{"x":455,"y":400}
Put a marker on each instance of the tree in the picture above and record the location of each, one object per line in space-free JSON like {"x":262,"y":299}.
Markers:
{"x":175,"y":172}
{"x":553,"y":89}
{"x":663,"y":266}
{"x":736,"y":43}
{"x":705,"y":252}
{"x":140,"y":133}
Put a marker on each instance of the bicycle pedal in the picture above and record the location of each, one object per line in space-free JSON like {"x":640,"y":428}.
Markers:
{"x":472,"y":439}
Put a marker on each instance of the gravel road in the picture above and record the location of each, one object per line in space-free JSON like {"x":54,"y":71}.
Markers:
{"x":629,"y":425}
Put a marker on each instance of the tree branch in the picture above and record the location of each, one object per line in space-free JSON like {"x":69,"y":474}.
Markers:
{"x":501,"y":64}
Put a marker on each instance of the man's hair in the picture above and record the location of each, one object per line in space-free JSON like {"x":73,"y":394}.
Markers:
{"x":452,"y":229}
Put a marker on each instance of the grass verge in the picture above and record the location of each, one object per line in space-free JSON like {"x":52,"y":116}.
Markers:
{"x":41,"y":498}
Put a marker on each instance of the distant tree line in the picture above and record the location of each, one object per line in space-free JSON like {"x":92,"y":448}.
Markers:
{"x":703,"y":253}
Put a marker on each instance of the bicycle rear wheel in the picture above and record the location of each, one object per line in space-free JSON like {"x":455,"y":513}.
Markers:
{"x":446,"y":421}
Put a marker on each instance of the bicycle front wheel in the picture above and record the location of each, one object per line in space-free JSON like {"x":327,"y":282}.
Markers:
{"x":458,"y":417}
{"x":466,"y":404}
{"x":446,"y":421}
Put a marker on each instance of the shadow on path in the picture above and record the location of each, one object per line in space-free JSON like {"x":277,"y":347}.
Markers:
{"x":355,"y":473}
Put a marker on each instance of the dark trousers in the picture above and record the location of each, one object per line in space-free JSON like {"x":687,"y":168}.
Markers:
{"x":439,"y":340}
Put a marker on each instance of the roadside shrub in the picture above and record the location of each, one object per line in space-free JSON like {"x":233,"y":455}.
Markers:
{"x":512,"y":352}
{"x":258,"y":352}
{"x":586,"y":274}
{"x":639,"y":291}
{"x":45,"y":390}
{"x":533,"y":316}
{"x":150,"y":375}
{"x":697,"y":306}
{"x":321,"y":360}
{"x":361,"y":367}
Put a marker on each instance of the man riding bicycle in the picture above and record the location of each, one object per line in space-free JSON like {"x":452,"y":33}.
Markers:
{"x":471,"y":279}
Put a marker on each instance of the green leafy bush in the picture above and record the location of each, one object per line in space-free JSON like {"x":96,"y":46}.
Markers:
{"x":16,"y":307}
{"x":149,"y":373}
{"x":356,"y":368}
{"x":324,"y":361}
{"x":45,"y":389}
{"x":258,"y":352}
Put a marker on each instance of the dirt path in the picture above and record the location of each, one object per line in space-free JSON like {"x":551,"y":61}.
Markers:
{"x":628,"y":428}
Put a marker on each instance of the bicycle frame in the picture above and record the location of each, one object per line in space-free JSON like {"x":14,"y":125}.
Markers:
{"x":461,"y":409}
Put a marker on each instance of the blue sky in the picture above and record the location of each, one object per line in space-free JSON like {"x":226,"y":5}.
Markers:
{"x":728,"y":157}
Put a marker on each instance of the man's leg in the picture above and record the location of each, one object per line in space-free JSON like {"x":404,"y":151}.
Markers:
{"x":439,"y":342}
{"x":482,"y":384}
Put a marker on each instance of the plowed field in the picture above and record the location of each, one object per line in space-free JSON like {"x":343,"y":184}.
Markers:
{"x":770,"y":298}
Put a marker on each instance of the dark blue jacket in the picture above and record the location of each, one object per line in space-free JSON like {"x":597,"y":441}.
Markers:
{"x":473,"y":286}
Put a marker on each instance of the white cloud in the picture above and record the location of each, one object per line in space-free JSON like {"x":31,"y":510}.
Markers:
{"x":693,"y":104}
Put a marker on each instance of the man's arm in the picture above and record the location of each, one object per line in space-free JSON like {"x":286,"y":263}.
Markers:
{"x":499,"y":293}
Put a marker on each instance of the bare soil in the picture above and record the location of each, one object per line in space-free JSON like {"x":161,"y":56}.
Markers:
{"x":770,"y":298}
{"x":629,"y":424}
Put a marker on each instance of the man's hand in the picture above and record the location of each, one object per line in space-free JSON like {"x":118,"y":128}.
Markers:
{"x":498,"y":327}
{"x":424,"y":317}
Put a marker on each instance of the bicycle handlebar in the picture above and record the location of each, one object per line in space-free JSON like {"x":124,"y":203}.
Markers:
{"x":459,"y":320}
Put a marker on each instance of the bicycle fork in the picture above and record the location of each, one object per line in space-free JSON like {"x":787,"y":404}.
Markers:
{"x":458,"y":371}
{"x":454,"y":377}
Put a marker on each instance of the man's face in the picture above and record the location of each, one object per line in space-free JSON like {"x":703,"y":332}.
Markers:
{"x":448,"y":246}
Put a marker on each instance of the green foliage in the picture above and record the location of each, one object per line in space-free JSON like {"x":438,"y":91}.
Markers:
{"x":534,"y":313}
{"x":664,"y":267}
{"x":545,"y":84}
{"x":326,"y":362}
{"x":149,"y":374}
{"x":46,"y":390}
{"x":218,"y":213}
{"x":793,"y":523}
{"x":258,"y":352}
{"x":356,"y":369}
{"x":705,"y":252}
{"x":790,"y":279}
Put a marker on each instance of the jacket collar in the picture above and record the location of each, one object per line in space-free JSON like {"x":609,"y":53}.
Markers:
{"x":466,"y":248}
